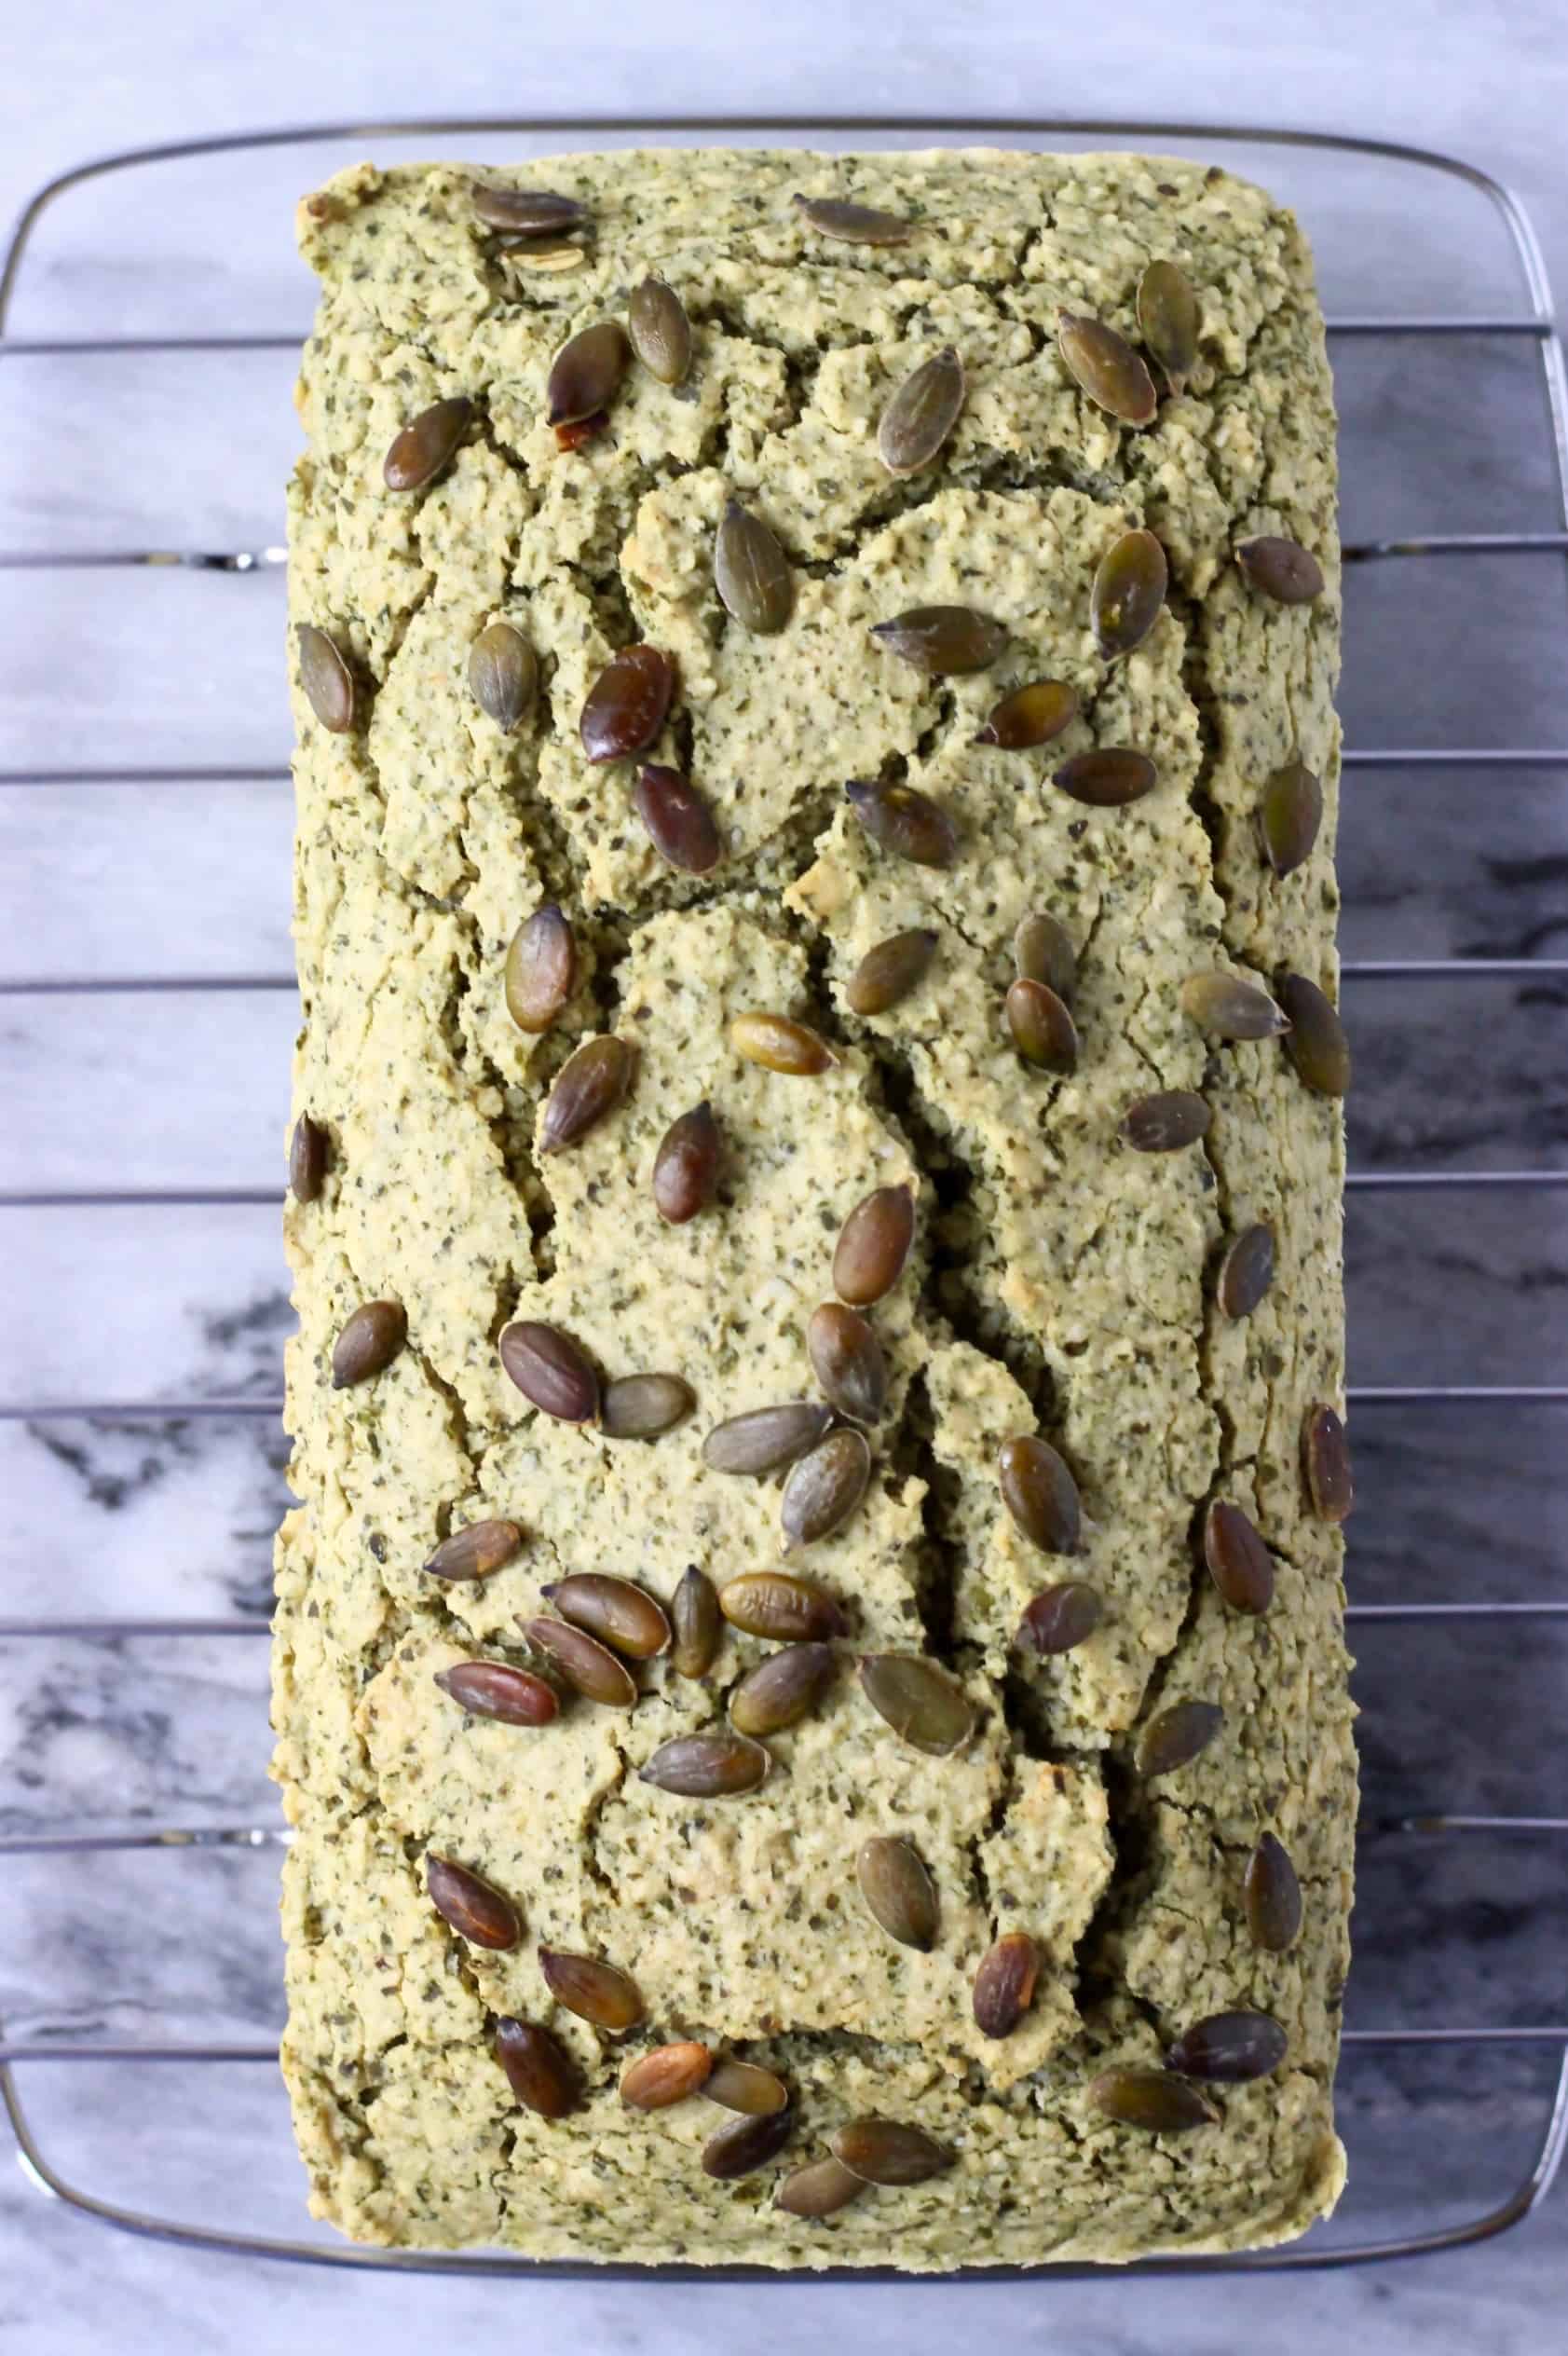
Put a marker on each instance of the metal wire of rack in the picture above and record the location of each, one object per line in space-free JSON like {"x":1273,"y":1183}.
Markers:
{"x":1535,"y":325}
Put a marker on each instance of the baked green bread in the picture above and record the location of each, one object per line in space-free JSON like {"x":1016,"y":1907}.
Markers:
{"x":1091,"y":1968}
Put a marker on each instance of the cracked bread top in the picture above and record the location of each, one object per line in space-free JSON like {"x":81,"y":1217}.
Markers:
{"x":1060,"y":1281}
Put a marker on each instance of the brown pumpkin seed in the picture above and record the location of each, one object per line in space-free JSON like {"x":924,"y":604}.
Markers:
{"x":1107,"y":779}
{"x":898,"y":1890}
{"x":504,"y":674}
{"x":541,"y":969}
{"x":873,"y":1245}
{"x":745,"y":2087}
{"x":330,"y":686}
{"x":707,"y":1766}
{"x":308,"y":1158}
{"x":847,"y":1363}
{"x":781,"y":1045}
{"x":660,"y":331}
{"x":1040,"y":1493}
{"x":554,"y":1371}
{"x":591,"y":1083}
{"x":1105,"y":366}
{"x":885,"y":2151}
{"x":1004,"y":1984}
{"x":824,"y":1488}
{"x":785,"y":1608}
{"x":747,"y":2144}
{"x":1031,"y":716}
{"x":426,"y":445}
{"x":370,"y":1338}
{"x":526,"y":213}
{"x":904,"y":822}
{"x":686,"y":1167}
{"x":921,"y":414}
{"x":1227,"y":1007}
{"x":586,"y":373}
{"x":1129,"y":589}
{"x":781,"y":1689}
{"x":888,"y":973}
{"x":1042,"y":951}
{"x":1315,"y":1043}
{"x":596,"y":1990}
{"x":751,"y":573}
{"x":1177,"y":1736}
{"x":942,"y":641}
{"x":1289,"y":812}
{"x":1043,"y":1032}
{"x":642,"y":1407}
{"x":588,"y":1668}
{"x":613,"y":1610}
{"x":494,"y":1688}
{"x":920,"y":1701}
{"x":696,"y":1624}
{"x":1229,"y":2048}
{"x":474,"y":1908}
{"x":1281,"y":569}
{"x":1271,"y":1895}
{"x":680,"y":826}
{"x":627,"y":706}
{"x":1164,"y":1122}
{"x":820,"y":2189}
{"x":1167,"y":320}
{"x":667,"y":2074}
{"x":765,"y":1439}
{"x":1149,"y":2099}
{"x":1326,"y":1459}
{"x":1247,"y":1271}
{"x":1239,"y":1563}
{"x":541,"y":2073}
{"x":855,"y":224}
{"x":1060,"y":1618}
{"x":476,"y":1552}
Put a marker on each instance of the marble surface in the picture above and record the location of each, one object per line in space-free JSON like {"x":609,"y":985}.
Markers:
{"x":107,"y":1514}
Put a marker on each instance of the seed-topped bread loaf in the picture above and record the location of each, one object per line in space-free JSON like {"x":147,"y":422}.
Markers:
{"x":809,"y":1680}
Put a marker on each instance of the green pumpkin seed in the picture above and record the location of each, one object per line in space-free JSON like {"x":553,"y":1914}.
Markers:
{"x":586,"y":373}
{"x":847,"y":1363}
{"x":680,"y":826}
{"x":855,"y":224}
{"x":1043,"y":1032}
{"x":1229,"y":2048}
{"x":885,"y":2151}
{"x":1326,"y":1459}
{"x":1042,"y":951}
{"x":660,"y":331}
{"x":1161,"y":2105}
{"x":873,"y":1246}
{"x":1060,"y":1618}
{"x":541,"y":969}
{"x":1177,"y":1736}
{"x":1040,"y":1493}
{"x":666,"y":2076}
{"x":1167,"y":320}
{"x":746,"y":2088}
{"x":820,"y":2189}
{"x":614,"y":1610}
{"x":747,"y":2144}
{"x":942,"y":641}
{"x":370,"y":1338}
{"x":921,"y":414}
{"x":541,"y":2073}
{"x":554,"y":1371}
{"x":765,"y":1439}
{"x":782,"y":1690}
{"x":782,"y":1607}
{"x":919,"y":1700}
{"x":1164,"y":1122}
{"x":476,"y":1552}
{"x":592,"y":1082}
{"x":308,"y":1158}
{"x":504,"y":674}
{"x":644,"y":1406}
{"x":707,"y":1766}
{"x":1239,"y":1563}
{"x":1246,"y":1272}
{"x":780,"y":1044}
{"x":888,"y":973}
{"x":593,"y":1989}
{"x":526,"y":213}
{"x":899,"y":1892}
{"x":588,"y":1668}
{"x":1105,"y":366}
{"x":426,"y":445}
{"x":494,"y":1688}
{"x":472,"y":1907}
{"x":686,"y":1167}
{"x":1129,"y":591}
{"x":1316,"y":1044}
{"x":696,"y":1624}
{"x":329,"y":687}
{"x":1031,"y":716}
{"x":752,"y":574}
{"x":904,"y":822}
{"x":1281,"y":569}
{"x":1227,"y":1007}
{"x":1107,"y":779}
{"x":1271,"y":1895}
{"x":1289,"y":812}
{"x":1004,"y":1984}
{"x":627,"y":705}
{"x":824,"y":1488}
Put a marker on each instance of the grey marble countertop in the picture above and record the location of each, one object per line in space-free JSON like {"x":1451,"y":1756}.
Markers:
{"x":173,"y":1514}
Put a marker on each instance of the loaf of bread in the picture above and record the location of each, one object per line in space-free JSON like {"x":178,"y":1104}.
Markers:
{"x":816,"y":782}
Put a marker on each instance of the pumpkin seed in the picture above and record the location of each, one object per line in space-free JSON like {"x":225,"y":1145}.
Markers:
{"x":686,"y":1167}
{"x":855,"y":224}
{"x":820,"y":2189}
{"x":1107,"y":779}
{"x":942,"y":641}
{"x":329,"y":687}
{"x":785,"y":1608}
{"x":1227,"y":1007}
{"x":370,"y":1338}
{"x":660,"y":331}
{"x":899,"y":1892}
{"x":474,"y":1908}
{"x":885,"y":2151}
{"x":538,"y":2070}
{"x":781,"y":1689}
{"x":613,"y":1610}
{"x":921,"y":414}
{"x":1239,"y":1563}
{"x":824,"y":1488}
{"x":780,"y":1044}
{"x":746,"y":2088}
{"x":625,"y":709}
{"x":526,"y":213}
{"x":1031,"y":716}
{"x":751,"y":573}
{"x":1167,"y":320}
{"x":504,"y":674}
{"x":522,"y":253}
{"x":494,"y":1688}
{"x":919,"y":1700}
{"x":1149,"y":2099}
{"x":596,"y":1990}
{"x":426,"y":445}
{"x":541,"y":969}
{"x":642,"y":1407}
{"x":1043,"y":1032}
{"x":1042,"y":951}
{"x":1164,"y":1122}
{"x":1326,"y":1457}
{"x":309,"y":1156}
{"x":554,"y":1371}
{"x":1271,"y":1895}
{"x":1004,"y":1984}
{"x":766,"y":1438}
{"x":1040,"y":1493}
{"x":1289,"y":812}
{"x":1229,"y":2048}
{"x":888,"y":973}
{"x":1281,"y":569}
{"x":904,"y":822}
{"x":1060,"y":1618}
{"x":1129,"y":589}
{"x":1105,"y":366}
{"x":585,"y":1664}
{"x":667,"y":2074}
{"x":847,"y":1363}
{"x":476,"y":1552}
{"x":873,"y":1245}
{"x":747,"y":2144}
{"x":707,"y":1766}
{"x":591,"y":1083}
{"x":1247,"y":1271}
{"x":680,"y":824}
{"x":586,"y":373}
{"x":696,"y":1624}
{"x":1177,"y":1736}
{"x":1316,"y":1044}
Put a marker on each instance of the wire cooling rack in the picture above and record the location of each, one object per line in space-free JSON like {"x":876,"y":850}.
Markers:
{"x":1532,"y":326}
